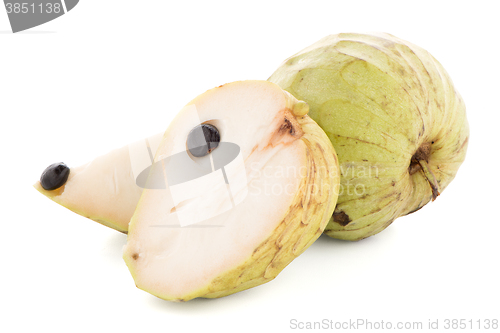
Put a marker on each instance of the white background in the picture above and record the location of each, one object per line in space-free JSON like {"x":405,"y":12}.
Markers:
{"x":111,"y":72}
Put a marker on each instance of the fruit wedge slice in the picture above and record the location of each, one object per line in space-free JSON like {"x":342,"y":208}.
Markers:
{"x":105,"y":189}
{"x":233,"y":218}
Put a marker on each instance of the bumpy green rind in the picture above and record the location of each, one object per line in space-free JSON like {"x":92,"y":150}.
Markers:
{"x":379,"y":99}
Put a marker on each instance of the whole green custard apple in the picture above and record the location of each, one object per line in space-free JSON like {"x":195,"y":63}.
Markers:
{"x":394,"y":117}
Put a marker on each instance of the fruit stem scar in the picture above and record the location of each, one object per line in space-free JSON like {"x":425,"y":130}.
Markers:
{"x":430,"y":178}
{"x":287,"y":126}
{"x":290,"y":125}
{"x":287,"y":129}
{"x":420,"y":162}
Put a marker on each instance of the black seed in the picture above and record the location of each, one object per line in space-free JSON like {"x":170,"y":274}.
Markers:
{"x":54,"y":176}
{"x":202,"y":140}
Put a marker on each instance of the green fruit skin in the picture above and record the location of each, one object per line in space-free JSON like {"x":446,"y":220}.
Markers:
{"x":379,"y":99}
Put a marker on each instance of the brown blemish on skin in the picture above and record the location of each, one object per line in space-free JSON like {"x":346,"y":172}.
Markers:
{"x":463,"y":144}
{"x":341,"y":218}
{"x":291,"y":123}
{"x":288,"y":129}
{"x":422,"y":131}
{"x":287,"y":126}
{"x":320,"y":148}
{"x":135,"y":256}
{"x":435,"y":191}
{"x":258,"y":248}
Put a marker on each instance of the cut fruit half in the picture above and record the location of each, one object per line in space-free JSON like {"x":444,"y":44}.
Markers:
{"x":235,"y":217}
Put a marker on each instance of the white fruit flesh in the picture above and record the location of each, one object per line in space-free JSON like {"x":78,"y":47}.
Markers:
{"x":273,"y":218}
{"x":104,"y":189}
